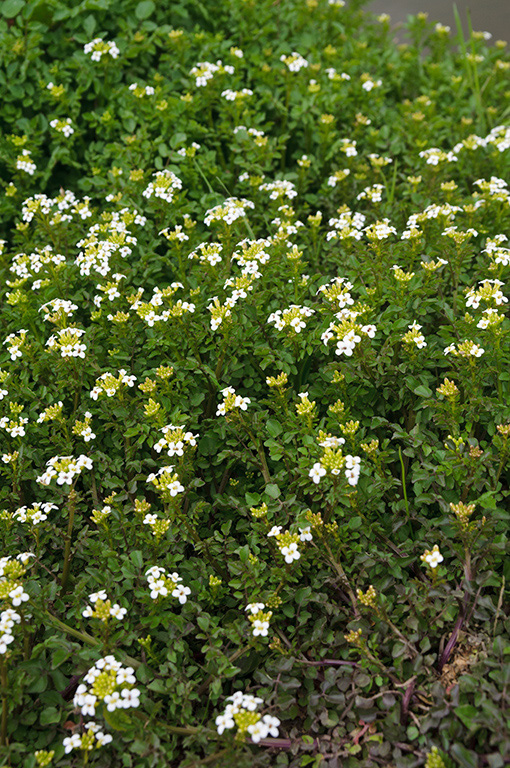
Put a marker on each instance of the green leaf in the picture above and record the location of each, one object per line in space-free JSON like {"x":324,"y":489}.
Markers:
{"x":465,"y":757}
{"x":466,"y":713}
{"x":137,"y":558}
{"x":50,"y":715}
{"x":59,"y":656}
{"x":274,"y":427}
{"x":423,"y":391}
{"x":203,"y":622}
{"x":144,"y":9}
{"x":11,"y":8}
{"x":272,"y":490}
{"x":89,"y":25}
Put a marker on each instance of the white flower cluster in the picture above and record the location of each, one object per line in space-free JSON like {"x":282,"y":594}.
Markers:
{"x":83,"y":428}
{"x":58,"y":307}
{"x":373,"y":193}
{"x":230,"y":95}
{"x":413,"y":336}
{"x":288,"y":542}
{"x":242,"y":713}
{"x":8,"y":618}
{"x":368,"y":84}
{"x":336,"y":76}
{"x":432,"y":557}
{"x":107,"y":682}
{"x":279,"y":189}
{"x":497,"y":252}
{"x":108,"y":384}
{"x":166,"y":481}
{"x":64,"y":126}
{"x":252,"y":255}
{"x":348,"y":147}
{"x":25,"y":163}
{"x":259,"y":139}
{"x":229,"y":211}
{"x":258,"y":619}
{"x":434,"y":156}
{"x":161,"y":584}
{"x":35,"y":514}
{"x":292,"y":318}
{"x":231,"y":401}
{"x":380,"y":230}
{"x":294,"y":61}
{"x":64,"y":468}
{"x":465,"y":349}
{"x":338,"y":176}
{"x":98,"y":48}
{"x":207,"y":253}
{"x":93,"y":738}
{"x":61,"y":207}
{"x":175,"y":440}
{"x":334,"y":462}
{"x":165,"y":186}
{"x":146,"y":309}
{"x":347,"y":332}
{"x":67,"y":342}
{"x":14,"y":427}
{"x":490,"y":291}
{"x":105,"y":239}
{"x":348,"y":224}
{"x":102,"y":608}
{"x":204,"y":71}
{"x":141,"y":90}
{"x":15,"y":342}
{"x":41,"y":262}
{"x":11,"y":572}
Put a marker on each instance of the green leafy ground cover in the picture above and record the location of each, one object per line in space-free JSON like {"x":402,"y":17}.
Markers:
{"x":254,"y":385}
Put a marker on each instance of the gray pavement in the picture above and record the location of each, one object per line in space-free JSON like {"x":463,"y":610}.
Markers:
{"x":486,"y":15}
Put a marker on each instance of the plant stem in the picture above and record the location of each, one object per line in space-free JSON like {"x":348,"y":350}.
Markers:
{"x":3,"y":681}
{"x":403,"y":480}
{"x":71,"y":503}
{"x":343,"y":579}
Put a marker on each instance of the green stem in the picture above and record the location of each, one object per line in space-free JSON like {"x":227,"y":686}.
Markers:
{"x":3,"y":680}
{"x":343,"y":579}
{"x":403,"y":479}
{"x":262,"y":456}
{"x":67,"y":548}
{"x":84,"y":637}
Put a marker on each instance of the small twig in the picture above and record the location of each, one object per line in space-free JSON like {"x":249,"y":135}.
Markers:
{"x":329,"y":663}
{"x":498,"y":608}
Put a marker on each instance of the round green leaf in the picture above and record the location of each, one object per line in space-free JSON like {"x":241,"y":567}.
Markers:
{"x":11,"y":8}
{"x":144,"y":9}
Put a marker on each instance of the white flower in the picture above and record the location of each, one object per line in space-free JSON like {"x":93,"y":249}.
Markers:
{"x":130,"y":697}
{"x":95,"y":596}
{"x":224,"y":721}
{"x":18,"y":596}
{"x":117,"y":612}
{"x":316,"y":472}
{"x":5,"y":640}
{"x":258,"y":731}
{"x":181,"y":593}
{"x":113,"y":701}
{"x":158,"y":588}
{"x":71,"y":742}
{"x":290,"y":552}
{"x":260,"y":627}
{"x":255,"y":607}
{"x":305,"y":534}
{"x":272,"y":724}
{"x":275,"y":530}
